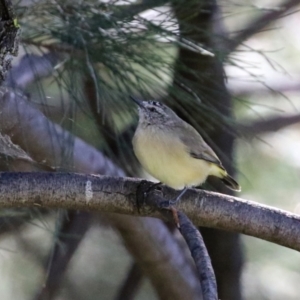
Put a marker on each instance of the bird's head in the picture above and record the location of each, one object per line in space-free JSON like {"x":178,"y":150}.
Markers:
{"x":154,"y":112}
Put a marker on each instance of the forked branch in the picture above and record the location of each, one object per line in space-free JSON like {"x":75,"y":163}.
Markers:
{"x":118,"y":195}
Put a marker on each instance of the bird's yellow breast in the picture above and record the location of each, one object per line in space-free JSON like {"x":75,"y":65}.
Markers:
{"x":167,"y":159}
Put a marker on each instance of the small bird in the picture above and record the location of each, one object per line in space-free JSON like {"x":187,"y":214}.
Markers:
{"x":172,"y":151}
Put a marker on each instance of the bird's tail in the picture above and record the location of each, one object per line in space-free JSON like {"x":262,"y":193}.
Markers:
{"x":231,"y":183}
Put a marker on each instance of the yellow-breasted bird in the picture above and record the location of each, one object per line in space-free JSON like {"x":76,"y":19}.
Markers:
{"x":172,"y":151}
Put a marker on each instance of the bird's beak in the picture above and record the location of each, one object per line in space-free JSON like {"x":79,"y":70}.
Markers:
{"x":138,"y":102}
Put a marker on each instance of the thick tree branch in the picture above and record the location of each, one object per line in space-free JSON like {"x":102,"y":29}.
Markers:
{"x":120,"y":150}
{"x":117,"y":195}
{"x":49,"y":143}
{"x":57,"y":148}
{"x":72,"y":228}
{"x":191,"y":235}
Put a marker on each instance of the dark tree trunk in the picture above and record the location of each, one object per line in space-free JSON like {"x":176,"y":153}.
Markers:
{"x":205,"y":75}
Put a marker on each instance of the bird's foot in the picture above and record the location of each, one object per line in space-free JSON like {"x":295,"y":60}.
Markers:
{"x":173,"y":202}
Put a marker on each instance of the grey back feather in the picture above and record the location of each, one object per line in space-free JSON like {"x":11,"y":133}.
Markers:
{"x":195,"y":144}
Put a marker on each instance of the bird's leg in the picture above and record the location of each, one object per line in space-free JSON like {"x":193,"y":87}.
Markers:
{"x":172,"y":202}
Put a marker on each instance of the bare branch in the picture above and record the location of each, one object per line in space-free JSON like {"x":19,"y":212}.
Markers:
{"x":200,"y":22}
{"x":26,"y":126}
{"x":196,"y":246}
{"x":117,"y":195}
{"x":9,"y":149}
{"x":32,"y":68}
{"x":155,"y":273}
{"x":49,"y":143}
{"x":277,"y":85}
{"x":155,"y":263}
{"x":201,"y":257}
{"x":272,"y":124}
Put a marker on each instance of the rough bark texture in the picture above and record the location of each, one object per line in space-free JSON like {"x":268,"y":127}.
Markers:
{"x":120,"y":151}
{"x":205,"y":75}
{"x":118,"y":195}
{"x":49,"y":144}
{"x":9,"y":41}
{"x":202,"y":260}
{"x":46,"y":142}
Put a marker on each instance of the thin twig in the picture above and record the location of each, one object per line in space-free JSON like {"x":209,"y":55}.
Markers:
{"x":201,"y":257}
{"x":189,"y":232}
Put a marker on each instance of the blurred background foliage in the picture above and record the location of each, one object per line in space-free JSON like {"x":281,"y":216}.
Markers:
{"x":104,"y":51}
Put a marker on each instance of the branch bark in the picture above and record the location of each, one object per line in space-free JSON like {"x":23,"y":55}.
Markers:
{"x":72,"y":228}
{"x":158,"y":258}
{"x":49,"y":143}
{"x":117,"y":195}
{"x":124,"y":157}
{"x":46,"y":142}
{"x":200,"y":22}
{"x":9,"y":36}
{"x":202,"y":260}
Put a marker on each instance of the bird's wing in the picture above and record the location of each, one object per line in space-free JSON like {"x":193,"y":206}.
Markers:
{"x":197,"y":147}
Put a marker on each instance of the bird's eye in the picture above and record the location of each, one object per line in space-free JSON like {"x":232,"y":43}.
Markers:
{"x":152,"y":109}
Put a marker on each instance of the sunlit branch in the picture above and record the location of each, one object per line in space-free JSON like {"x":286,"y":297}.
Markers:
{"x":49,"y":143}
{"x":118,"y":195}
